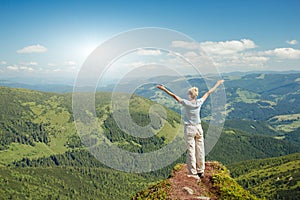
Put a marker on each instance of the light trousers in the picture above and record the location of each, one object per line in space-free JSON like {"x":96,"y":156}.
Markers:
{"x":195,"y":148}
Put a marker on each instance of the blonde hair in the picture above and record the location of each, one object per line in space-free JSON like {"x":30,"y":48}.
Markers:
{"x":193,"y":92}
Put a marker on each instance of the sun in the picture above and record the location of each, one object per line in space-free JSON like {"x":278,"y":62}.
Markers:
{"x":86,"y":49}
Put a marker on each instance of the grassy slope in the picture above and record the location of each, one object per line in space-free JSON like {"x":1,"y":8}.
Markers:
{"x":273,"y":178}
{"x":53,"y":111}
{"x":66,"y":181}
{"x":38,"y":108}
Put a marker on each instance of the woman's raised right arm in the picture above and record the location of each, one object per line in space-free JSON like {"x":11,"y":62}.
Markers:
{"x":177,"y":98}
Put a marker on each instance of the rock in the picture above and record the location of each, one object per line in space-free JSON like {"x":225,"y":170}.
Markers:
{"x":203,"y":198}
{"x":188,"y":190}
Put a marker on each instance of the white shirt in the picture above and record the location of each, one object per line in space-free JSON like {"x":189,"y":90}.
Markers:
{"x":191,"y":111}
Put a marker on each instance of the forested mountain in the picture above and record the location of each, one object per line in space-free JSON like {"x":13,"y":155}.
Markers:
{"x":39,"y":141}
{"x":37,"y":124}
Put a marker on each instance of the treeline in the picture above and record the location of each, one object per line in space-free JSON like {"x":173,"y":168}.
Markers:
{"x":16,"y":117}
{"x":129,"y":142}
{"x":83,"y":158}
{"x":294,"y":136}
{"x":78,"y":158}
{"x":255,"y":127}
{"x":235,"y":146}
{"x":68,"y":183}
{"x":24,"y":132}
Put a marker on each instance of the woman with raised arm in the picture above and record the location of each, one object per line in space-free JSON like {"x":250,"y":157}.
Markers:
{"x":193,"y":131}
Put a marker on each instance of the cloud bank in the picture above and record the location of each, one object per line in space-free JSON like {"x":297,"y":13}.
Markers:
{"x":237,"y":53}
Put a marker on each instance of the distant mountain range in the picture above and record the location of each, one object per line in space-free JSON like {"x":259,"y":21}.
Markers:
{"x":262,"y":103}
{"x":269,"y":97}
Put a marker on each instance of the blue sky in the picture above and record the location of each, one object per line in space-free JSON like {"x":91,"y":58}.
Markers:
{"x":53,"y":38}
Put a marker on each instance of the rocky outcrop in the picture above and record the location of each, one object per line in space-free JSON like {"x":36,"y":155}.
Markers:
{"x":216,"y":184}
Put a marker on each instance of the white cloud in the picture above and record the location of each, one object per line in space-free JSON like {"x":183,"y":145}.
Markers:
{"x":224,"y":53}
{"x":70,"y":63}
{"x":191,"y":54}
{"x":135,"y":64}
{"x":237,"y":53}
{"x":227,"y":47}
{"x":185,"y":45}
{"x":284,"y":53}
{"x":31,"y":63}
{"x":228,"y":53}
{"x":2,"y":62}
{"x":19,"y":68}
{"x":12,"y":67}
{"x":33,"y":49}
{"x":292,"y":42}
{"x":51,"y":65}
{"x":150,"y":52}
{"x":26,"y":68}
{"x":242,"y":60}
{"x":57,"y":70}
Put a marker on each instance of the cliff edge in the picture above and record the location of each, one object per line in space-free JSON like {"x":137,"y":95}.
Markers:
{"x":216,"y":184}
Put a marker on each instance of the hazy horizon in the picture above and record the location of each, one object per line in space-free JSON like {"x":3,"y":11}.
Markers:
{"x":70,"y":81}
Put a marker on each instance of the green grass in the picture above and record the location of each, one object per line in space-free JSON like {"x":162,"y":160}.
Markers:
{"x":247,"y":96}
{"x":17,"y":151}
{"x":53,"y":112}
{"x":286,"y":123}
{"x":57,"y":122}
{"x":233,"y":78}
{"x":228,"y":188}
{"x":157,"y":191}
{"x":169,"y":132}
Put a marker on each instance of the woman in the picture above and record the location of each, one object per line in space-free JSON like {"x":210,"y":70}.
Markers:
{"x":193,"y":131}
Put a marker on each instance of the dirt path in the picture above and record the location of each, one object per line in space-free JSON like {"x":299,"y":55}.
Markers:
{"x":201,"y":189}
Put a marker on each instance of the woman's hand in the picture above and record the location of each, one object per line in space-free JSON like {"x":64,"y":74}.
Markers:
{"x":220,"y":82}
{"x":161,"y":87}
